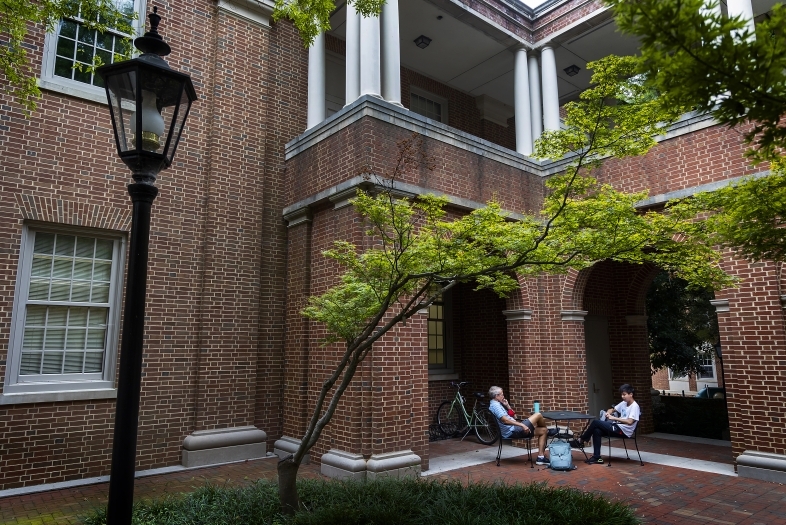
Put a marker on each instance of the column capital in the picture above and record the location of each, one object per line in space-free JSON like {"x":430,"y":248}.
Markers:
{"x":721,"y":305}
{"x":573,"y":315}
{"x":297,"y":217}
{"x":523,"y":314}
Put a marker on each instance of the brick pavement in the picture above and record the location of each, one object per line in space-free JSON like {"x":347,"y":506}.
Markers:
{"x":661,"y":495}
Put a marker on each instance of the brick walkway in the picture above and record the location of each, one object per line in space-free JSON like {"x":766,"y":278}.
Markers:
{"x":660,"y":494}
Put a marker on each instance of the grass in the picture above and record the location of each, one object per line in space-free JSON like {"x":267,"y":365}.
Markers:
{"x":384,"y":502}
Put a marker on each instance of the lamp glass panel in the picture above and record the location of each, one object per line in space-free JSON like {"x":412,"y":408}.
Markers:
{"x":179,"y":112}
{"x":121,"y":88}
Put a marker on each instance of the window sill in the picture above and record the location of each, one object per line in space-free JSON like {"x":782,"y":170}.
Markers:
{"x":442,"y":376}
{"x":57,"y":396}
{"x":74,"y":89}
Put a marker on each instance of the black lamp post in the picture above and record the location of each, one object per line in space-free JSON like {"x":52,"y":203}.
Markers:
{"x":718,"y":353}
{"x":149,"y":103}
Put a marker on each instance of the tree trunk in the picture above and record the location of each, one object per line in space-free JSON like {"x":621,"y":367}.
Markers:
{"x":287,"y":489}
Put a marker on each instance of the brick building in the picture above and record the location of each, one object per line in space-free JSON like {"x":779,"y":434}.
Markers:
{"x":278,"y":142}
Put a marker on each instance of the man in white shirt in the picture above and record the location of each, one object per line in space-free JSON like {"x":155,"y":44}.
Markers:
{"x":622,"y":425}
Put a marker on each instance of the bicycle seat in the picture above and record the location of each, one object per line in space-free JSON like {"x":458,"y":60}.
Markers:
{"x":480,"y":395}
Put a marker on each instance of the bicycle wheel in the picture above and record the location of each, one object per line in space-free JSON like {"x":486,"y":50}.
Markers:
{"x":486,"y":427}
{"x":451,"y":420}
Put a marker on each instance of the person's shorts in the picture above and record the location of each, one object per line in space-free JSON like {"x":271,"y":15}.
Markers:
{"x":519,"y":433}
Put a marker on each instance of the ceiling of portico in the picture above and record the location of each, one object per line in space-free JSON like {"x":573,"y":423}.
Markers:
{"x":472,"y":56}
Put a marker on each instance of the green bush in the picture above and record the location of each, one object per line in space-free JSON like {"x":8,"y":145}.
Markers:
{"x":385,"y":502}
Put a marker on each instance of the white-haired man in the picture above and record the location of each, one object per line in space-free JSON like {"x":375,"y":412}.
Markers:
{"x":534,"y":426}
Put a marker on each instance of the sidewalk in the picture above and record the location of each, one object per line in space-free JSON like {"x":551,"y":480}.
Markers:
{"x":661,"y":494}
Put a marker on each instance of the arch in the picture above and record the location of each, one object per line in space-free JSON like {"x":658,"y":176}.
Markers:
{"x":573,"y":288}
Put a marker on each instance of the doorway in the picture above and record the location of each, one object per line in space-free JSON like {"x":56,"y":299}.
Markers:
{"x":599,"y":385}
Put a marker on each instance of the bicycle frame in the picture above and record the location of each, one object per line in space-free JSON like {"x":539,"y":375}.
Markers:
{"x":472,"y":421}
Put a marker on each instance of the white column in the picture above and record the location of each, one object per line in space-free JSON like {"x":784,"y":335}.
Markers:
{"x":548,"y":64}
{"x":353,"y":56}
{"x":370,"y":81}
{"x":741,"y":8}
{"x":316,"y":82}
{"x":391,"y":53}
{"x":536,"y":112}
{"x":521,"y":102}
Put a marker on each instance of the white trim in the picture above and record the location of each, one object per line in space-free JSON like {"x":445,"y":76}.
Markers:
{"x":254,"y":11}
{"x":58,"y":396}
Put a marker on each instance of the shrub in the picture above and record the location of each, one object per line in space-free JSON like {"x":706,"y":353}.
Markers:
{"x":385,"y":502}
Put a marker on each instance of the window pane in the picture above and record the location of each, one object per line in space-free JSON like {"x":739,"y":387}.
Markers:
{"x":75,"y":340}
{"x":84,"y":247}
{"x":100,"y":293}
{"x":104,"y":249}
{"x":97,"y":317}
{"x":41,"y":266}
{"x":64,"y":67}
{"x":33,"y":339}
{"x":77,"y":316}
{"x":62,"y":268}
{"x":86,"y":36}
{"x":36,"y":315}
{"x":94,"y":362}
{"x":31,"y":364}
{"x":55,"y":339}
{"x":102,"y":271}
{"x":57,"y":315}
{"x":44,"y":243}
{"x":65,"y":47}
{"x":60,"y":291}
{"x":82,"y":76}
{"x":83,"y":270}
{"x":53,"y":363}
{"x":95,"y":339}
{"x":73,"y":363}
{"x":68,"y":28}
{"x":39,"y":291}
{"x":64,"y":245}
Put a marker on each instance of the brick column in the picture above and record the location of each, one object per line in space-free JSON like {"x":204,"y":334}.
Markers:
{"x":571,"y":362}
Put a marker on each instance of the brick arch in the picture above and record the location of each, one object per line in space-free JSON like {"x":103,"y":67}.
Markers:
{"x":520,"y":297}
{"x":73,"y":212}
{"x":573,"y":288}
{"x":638,"y":286}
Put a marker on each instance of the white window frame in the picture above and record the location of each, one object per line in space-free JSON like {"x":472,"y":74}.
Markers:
{"x":443,"y":102}
{"x":50,"y":82}
{"x":92,"y":386}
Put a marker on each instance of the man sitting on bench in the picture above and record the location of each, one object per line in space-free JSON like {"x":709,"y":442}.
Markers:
{"x":620,"y":426}
{"x":532,"y":427}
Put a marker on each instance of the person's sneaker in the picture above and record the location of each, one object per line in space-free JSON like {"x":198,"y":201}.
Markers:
{"x":575,"y":443}
{"x":542,"y":460}
{"x":553,"y":432}
{"x":595,"y":460}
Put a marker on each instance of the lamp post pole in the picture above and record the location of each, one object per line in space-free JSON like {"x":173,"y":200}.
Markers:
{"x":149,"y":103}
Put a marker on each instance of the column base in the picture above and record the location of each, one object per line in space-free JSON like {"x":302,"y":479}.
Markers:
{"x":224,"y":445}
{"x":762,"y":465}
{"x":401,"y":464}
{"x":289,"y":445}
{"x":343,"y":465}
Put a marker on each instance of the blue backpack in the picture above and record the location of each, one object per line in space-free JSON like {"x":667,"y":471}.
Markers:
{"x":560,"y":456}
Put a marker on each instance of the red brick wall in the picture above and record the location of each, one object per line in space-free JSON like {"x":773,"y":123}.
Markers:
{"x":216,"y":269}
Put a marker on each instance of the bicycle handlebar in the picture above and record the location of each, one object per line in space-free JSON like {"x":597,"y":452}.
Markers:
{"x":459,"y":385}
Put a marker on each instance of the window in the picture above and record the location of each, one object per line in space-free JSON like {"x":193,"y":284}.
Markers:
{"x":74,"y":47}
{"x":64,"y":328}
{"x":707,"y":368}
{"x":428,"y":105}
{"x":440,"y":355}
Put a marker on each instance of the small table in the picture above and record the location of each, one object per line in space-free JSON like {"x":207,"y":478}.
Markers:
{"x":564,"y":415}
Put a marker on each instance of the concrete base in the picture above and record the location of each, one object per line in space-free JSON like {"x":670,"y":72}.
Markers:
{"x":762,"y":465}
{"x":288,"y":445}
{"x":343,"y":465}
{"x":401,"y":464}
{"x":208,"y":447}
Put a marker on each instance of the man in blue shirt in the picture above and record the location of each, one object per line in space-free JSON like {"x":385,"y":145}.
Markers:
{"x":534,"y":426}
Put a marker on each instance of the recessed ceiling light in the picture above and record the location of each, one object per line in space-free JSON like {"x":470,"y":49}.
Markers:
{"x":572,"y":70}
{"x":422,"y":41}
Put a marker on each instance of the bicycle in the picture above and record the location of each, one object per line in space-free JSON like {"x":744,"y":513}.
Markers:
{"x":453,"y":418}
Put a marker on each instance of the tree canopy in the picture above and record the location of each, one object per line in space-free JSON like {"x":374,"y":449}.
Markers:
{"x":698,"y":58}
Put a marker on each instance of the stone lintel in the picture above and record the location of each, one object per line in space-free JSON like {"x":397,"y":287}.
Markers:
{"x":343,"y":465}
{"x":299,"y":216}
{"x":223,"y":445}
{"x":289,"y":445}
{"x":523,"y":314}
{"x":721,"y":305}
{"x":573,"y":315}
{"x":762,"y":465}
{"x":636,"y":320}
